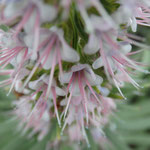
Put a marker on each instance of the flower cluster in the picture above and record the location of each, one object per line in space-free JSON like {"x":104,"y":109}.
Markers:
{"x":55,"y":78}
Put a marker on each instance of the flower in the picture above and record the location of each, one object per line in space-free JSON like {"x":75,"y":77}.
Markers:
{"x":80,"y":76}
{"x":83,"y":102}
{"x":57,"y":73}
{"x":41,"y":85}
{"x":13,"y":52}
{"x":38,"y":118}
{"x":36,"y":13}
{"x":54,"y":52}
{"x":114,"y":54}
{"x":30,"y":10}
{"x":133,"y":12}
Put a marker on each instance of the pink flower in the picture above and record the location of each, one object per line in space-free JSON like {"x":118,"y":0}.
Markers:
{"x":133,"y":12}
{"x":83,"y":103}
{"x":80,"y":77}
{"x":37,"y":119}
{"x":114,"y":55}
{"x":52,"y":53}
{"x":38,"y":56}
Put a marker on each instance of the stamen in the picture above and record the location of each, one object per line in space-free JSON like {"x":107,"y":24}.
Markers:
{"x":81,"y":87}
{"x":6,"y":72}
{"x":69,"y":99}
{"x":110,"y":41}
{"x":34,"y":108}
{"x":5,"y":82}
{"x":51,"y":75}
{"x":59,"y":58}
{"x":45,"y":53}
{"x":85,"y":135}
{"x":24,"y":20}
{"x":55,"y":105}
{"x":87,"y":82}
{"x":36,"y":32}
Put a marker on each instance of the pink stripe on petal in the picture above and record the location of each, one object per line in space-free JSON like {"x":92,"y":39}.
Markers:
{"x":144,"y":24}
{"x":24,"y":20}
{"x":55,"y":105}
{"x":135,"y":37}
{"x":38,"y":90}
{"x":110,"y":41}
{"x":5,"y":82}
{"x":13,"y":83}
{"x":128,"y":77}
{"x":84,"y":133}
{"x":107,"y":66}
{"x":36,"y":32}
{"x":43,"y":43}
{"x":116,"y":83}
{"x":6,"y":72}
{"x":59,"y":58}
{"x":87,"y":82}
{"x":69,"y":99}
{"x":37,"y":103}
{"x":43,"y":109}
{"x":136,"y":52}
{"x":51,"y":76}
{"x":4,"y":55}
{"x":35,"y":67}
{"x":10,"y":20}
{"x":7,"y":61}
{"x":118,"y":60}
{"x":18,"y":71}
{"x":111,"y":72}
{"x":81,"y":87}
{"x":24,"y":57}
{"x":48,"y":49}
{"x":64,"y":126}
{"x":70,"y":83}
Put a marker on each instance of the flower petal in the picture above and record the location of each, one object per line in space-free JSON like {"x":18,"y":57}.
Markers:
{"x":48,"y":64}
{"x":125,"y":47}
{"x":98,"y":63}
{"x":47,"y":12}
{"x":14,"y":8}
{"x":60,"y":92}
{"x":65,"y":77}
{"x":94,"y":81}
{"x":69,"y":54}
{"x":76,"y":91}
{"x":78,"y":67}
{"x":93,"y":45}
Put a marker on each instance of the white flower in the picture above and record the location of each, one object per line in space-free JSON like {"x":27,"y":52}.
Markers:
{"x":35,"y":118}
{"x":88,"y":72}
{"x":46,"y":12}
